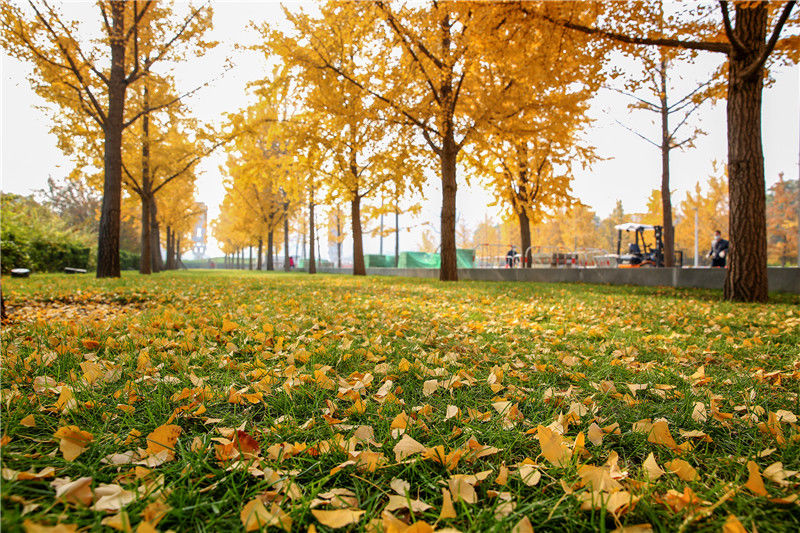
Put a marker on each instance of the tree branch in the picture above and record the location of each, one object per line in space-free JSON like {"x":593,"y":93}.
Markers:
{"x":638,"y":134}
{"x":738,"y":47}
{"x":723,"y":48}
{"x":756,"y":65}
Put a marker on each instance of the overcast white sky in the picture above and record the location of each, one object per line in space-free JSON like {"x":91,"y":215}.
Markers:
{"x":631,"y":169}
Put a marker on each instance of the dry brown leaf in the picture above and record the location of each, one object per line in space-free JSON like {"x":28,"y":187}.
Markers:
{"x":529,"y":474}
{"x":33,"y":527}
{"x":78,"y":492}
{"x":462,"y":490}
{"x":407,"y":446}
{"x":337,"y":518}
{"x":682,"y":469}
{"x":112,"y":498}
{"x":595,"y":434}
{"x":553,"y":447}
{"x":448,"y":511}
{"x":403,"y":502}
{"x":523,"y":526}
{"x":255,"y":515}
{"x":163,"y":438}
{"x":429,"y":387}
{"x":650,"y":466}
{"x":754,"y":481}
{"x":73,"y":441}
{"x":733,"y":525}
{"x":452,"y":411}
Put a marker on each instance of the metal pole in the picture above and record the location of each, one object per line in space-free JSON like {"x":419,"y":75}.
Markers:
{"x":696,"y":248}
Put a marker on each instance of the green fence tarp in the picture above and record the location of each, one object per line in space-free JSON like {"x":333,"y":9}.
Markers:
{"x":465,"y":259}
{"x":377,"y":260}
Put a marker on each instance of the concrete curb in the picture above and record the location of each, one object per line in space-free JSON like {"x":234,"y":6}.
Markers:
{"x":780,"y":279}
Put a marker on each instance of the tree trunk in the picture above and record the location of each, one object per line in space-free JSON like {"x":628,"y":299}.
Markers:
{"x":338,"y":240}
{"x":286,"y":237}
{"x":270,"y":264}
{"x":747,"y":256}
{"x":447,"y":157}
{"x":178,"y":253}
{"x":525,"y":237}
{"x":358,"y":244}
{"x":156,"y":261}
{"x":396,"y":236}
{"x":145,"y":261}
{"x":668,"y":233}
{"x":108,"y":233}
{"x":260,"y":252}
{"x":312,"y":262}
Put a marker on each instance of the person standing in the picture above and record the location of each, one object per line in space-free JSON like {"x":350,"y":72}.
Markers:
{"x":511,"y":257}
{"x":719,"y":250}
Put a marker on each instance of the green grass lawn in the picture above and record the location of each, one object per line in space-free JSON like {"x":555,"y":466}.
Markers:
{"x":218,"y":401}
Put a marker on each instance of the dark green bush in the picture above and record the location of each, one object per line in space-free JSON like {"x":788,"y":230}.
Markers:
{"x":128,"y":260}
{"x":13,"y":255}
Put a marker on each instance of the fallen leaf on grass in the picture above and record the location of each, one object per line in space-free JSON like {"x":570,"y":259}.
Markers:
{"x":73,"y":441}
{"x":462,"y":489}
{"x":754,"y":481}
{"x":553,"y":447}
{"x":28,"y":421}
{"x":112,"y":498}
{"x":163,"y":438}
{"x":733,"y":525}
{"x":447,"y":511}
{"x":650,"y":466}
{"x":523,"y":526}
{"x":33,"y":527}
{"x":14,"y":475}
{"x":255,"y":515}
{"x":337,"y":518}
{"x":682,"y":469}
{"x":407,"y":446}
{"x":77,"y":492}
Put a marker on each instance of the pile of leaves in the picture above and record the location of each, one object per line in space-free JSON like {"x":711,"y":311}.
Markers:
{"x":237,"y":401}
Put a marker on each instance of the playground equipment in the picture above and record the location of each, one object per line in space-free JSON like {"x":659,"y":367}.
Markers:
{"x":640,"y":254}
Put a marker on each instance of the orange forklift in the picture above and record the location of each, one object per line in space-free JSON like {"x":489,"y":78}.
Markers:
{"x":640,"y":254}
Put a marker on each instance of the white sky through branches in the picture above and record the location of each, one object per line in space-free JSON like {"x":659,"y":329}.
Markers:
{"x":632,"y":167}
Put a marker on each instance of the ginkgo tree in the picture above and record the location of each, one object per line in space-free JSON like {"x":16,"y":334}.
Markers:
{"x":749,"y":37}
{"x":70,"y":72}
{"x":424,"y":63}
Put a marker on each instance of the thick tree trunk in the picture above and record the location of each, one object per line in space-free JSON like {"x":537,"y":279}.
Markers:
{"x":108,"y":233}
{"x":156,"y":261}
{"x":358,"y":241}
{"x":145,"y":261}
{"x":747,"y":261}
{"x":286,"y":237}
{"x":447,"y":157}
{"x":312,"y":262}
{"x":525,"y":237}
{"x":260,"y":252}
{"x":178,"y":253}
{"x":668,"y":234}
{"x":270,"y":264}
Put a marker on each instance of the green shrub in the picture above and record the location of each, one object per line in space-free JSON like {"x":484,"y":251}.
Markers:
{"x":13,"y":255}
{"x":128,"y":260}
